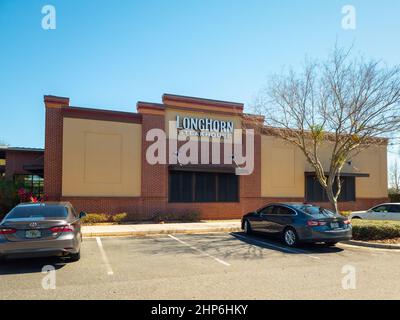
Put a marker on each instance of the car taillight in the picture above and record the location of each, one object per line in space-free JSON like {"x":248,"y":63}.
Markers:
{"x":62,"y":229}
{"x":7,"y":231}
{"x":315,"y":223}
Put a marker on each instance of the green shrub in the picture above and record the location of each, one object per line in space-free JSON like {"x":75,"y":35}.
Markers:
{"x":93,"y":218}
{"x":119,"y":217}
{"x":177,"y":216}
{"x":375,"y":230}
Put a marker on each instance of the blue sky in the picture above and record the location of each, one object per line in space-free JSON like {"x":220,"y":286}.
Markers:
{"x":110,"y":54}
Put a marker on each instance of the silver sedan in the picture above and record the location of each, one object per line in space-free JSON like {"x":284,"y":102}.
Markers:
{"x":384,"y":211}
{"x":41,"y":230}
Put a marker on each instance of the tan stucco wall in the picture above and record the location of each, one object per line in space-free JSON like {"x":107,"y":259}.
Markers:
{"x":283,"y":166}
{"x":282,"y":169}
{"x":101,"y":158}
{"x":373,"y":161}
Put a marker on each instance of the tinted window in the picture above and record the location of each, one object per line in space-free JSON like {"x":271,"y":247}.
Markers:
{"x":267,"y":210}
{"x":385,"y":208}
{"x":180,"y":186}
{"x":205,"y":187}
{"x":395,"y":208}
{"x":284,"y":210}
{"x":315,"y":211}
{"x":315,"y":192}
{"x":185,"y":186}
{"x":228,"y":187}
{"x":38,"y":211}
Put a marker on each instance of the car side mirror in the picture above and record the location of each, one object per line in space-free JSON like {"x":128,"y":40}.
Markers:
{"x":82,"y":214}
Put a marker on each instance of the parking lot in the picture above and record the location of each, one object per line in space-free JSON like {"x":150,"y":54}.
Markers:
{"x":206,"y":266}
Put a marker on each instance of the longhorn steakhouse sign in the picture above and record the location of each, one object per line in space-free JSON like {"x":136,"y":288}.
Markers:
{"x":204,"y":127}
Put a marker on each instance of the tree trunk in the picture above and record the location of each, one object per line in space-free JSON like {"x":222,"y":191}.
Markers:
{"x":331,"y":195}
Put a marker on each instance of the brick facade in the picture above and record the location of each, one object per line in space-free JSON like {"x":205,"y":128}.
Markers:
{"x":17,"y":159}
{"x":154,"y":178}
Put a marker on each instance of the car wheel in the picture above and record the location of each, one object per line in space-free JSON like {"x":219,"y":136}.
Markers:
{"x":290,"y":237}
{"x":356,"y":218}
{"x":247,"y":227}
{"x":75,"y":256}
{"x":330,"y":243}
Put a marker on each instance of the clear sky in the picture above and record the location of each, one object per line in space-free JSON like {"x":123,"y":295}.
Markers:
{"x":111,"y":53}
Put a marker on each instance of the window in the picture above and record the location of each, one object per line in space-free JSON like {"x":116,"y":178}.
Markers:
{"x":315,"y":211}
{"x":384,"y":208}
{"x":180,"y":186}
{"x":30,"y":183}
{"x":38,"y":211}
{"x":315,"y":192}
{"x":394,"y":208}
{"x":267,"y":210}
{"x":283,"y":210}
{"x":185,"y":186}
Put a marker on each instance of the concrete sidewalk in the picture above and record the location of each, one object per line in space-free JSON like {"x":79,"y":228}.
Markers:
{"x":166,"y":228}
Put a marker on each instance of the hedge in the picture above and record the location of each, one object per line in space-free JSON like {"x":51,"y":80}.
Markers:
{"x":375,"y":229}
{"x":394,"y":197}
{"x":93,"y":218}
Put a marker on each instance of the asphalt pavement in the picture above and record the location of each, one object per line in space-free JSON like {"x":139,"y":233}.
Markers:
{"x":205,"y":266}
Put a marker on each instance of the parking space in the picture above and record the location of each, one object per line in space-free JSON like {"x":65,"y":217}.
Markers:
{"x":205,"y":266}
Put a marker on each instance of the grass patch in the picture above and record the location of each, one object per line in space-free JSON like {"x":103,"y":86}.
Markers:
{"x":375,"y":229}
{"x":94,"y":218}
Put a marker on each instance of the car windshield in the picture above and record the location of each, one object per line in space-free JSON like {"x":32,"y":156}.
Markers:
{"x":316,"y":211}
{"x":38,"y":211}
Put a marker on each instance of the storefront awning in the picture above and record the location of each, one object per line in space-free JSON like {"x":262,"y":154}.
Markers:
{"x":204,"y":168}
{"x":343,"y":174}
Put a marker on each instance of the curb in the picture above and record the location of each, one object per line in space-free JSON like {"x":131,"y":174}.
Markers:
{"x":158,"y":232}
{"x":372,"y":244}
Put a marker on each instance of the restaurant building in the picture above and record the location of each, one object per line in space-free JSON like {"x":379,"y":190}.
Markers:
{"x":98,"y":160}
{"x":24,"y":166}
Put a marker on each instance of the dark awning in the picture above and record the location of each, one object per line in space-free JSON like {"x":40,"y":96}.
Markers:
{"x":35,"y":169}
{"x":203,"y":168}
{"x":343,"y":174}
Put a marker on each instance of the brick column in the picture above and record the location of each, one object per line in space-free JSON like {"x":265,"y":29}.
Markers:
{"x":250,"y":185}
{"x":154,"y":177}
{"x":53,"y":146}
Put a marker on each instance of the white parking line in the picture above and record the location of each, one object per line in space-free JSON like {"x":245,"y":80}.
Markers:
{"x":104,"y":256}
{"x":290,"y":250}
{"x":198,"y":250}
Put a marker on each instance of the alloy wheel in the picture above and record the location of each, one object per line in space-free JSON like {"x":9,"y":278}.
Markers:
{"x":290,"y":237}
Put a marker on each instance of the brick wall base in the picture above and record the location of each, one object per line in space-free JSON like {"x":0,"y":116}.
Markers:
{"x":139,"y":209}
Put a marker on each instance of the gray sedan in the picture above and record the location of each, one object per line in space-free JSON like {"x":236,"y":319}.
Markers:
{"x":296,"y":223}
{"x":41,"y":230}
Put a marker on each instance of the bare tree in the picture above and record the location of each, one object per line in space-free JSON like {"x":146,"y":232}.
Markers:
{"x":395,"y":177}
{"x":3,"y":143}
{"x":350,"y":103}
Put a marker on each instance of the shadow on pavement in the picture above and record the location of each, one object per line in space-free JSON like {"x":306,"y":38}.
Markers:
{"x":236,"y":245}
{"x":31,"y":265}
{"x":273,"y":243}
